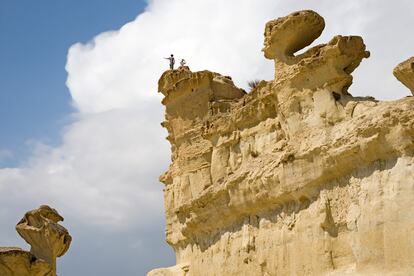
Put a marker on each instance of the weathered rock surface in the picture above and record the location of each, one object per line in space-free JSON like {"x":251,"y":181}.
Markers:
{"x":297,"y":177}
{"x":48,"y":241}
{"x":404,"y":72}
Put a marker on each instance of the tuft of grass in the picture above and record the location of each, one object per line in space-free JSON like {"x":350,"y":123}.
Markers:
{"x":253,"y":83}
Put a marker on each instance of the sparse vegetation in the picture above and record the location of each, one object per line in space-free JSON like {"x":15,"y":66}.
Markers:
{"x":253,"y":83}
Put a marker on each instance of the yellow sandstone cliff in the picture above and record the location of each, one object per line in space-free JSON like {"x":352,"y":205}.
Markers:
{"x":297,"y":177}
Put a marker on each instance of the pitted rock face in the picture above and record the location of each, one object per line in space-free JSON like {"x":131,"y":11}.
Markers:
{"x":404,"y":72}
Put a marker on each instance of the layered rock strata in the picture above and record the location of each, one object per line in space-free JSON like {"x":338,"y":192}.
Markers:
{"x":48,"y":240}
{"x":297,"y":177}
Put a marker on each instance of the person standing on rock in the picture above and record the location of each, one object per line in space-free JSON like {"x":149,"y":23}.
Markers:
{"x":172,"y":61}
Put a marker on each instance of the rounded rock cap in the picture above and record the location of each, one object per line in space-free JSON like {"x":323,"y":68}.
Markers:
{"x":287,"y":35}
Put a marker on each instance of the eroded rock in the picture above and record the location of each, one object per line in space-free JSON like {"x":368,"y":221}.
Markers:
{"x":404,"y":72}
{"x":178,"y":270}
{"x":332,"y":63}
{"x":48,"y":240}
{"x":297,"y":177}
{"x":287,"y":35}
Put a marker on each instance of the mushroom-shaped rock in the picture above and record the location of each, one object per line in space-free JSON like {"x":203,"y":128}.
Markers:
{"x":404,"y":72}
{"x":286,"y":35}
{"x":48,"y":239}
{"x":327,"y":66}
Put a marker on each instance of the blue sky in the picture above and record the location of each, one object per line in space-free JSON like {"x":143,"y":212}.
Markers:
{"x":36,"y":106}
{"x":80,"y":114}
{"x":36,"y":35}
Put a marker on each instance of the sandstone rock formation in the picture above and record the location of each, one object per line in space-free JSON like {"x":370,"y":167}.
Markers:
{"x":297,"y":177}
{"x":404,"y":72}
{"x":48,"y":241}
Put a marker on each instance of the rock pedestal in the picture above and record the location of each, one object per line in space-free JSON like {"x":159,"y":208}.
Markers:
{"x":48,"y":240}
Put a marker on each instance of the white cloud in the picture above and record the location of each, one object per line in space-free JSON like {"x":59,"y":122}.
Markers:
{"x":121,"y":68}
{"x":105,"y":172}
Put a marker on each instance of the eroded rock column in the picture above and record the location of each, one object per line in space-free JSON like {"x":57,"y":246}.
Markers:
{"x":48,"y":240}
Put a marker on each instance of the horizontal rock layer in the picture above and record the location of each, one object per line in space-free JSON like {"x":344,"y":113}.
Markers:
{"x":297,"y":177}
